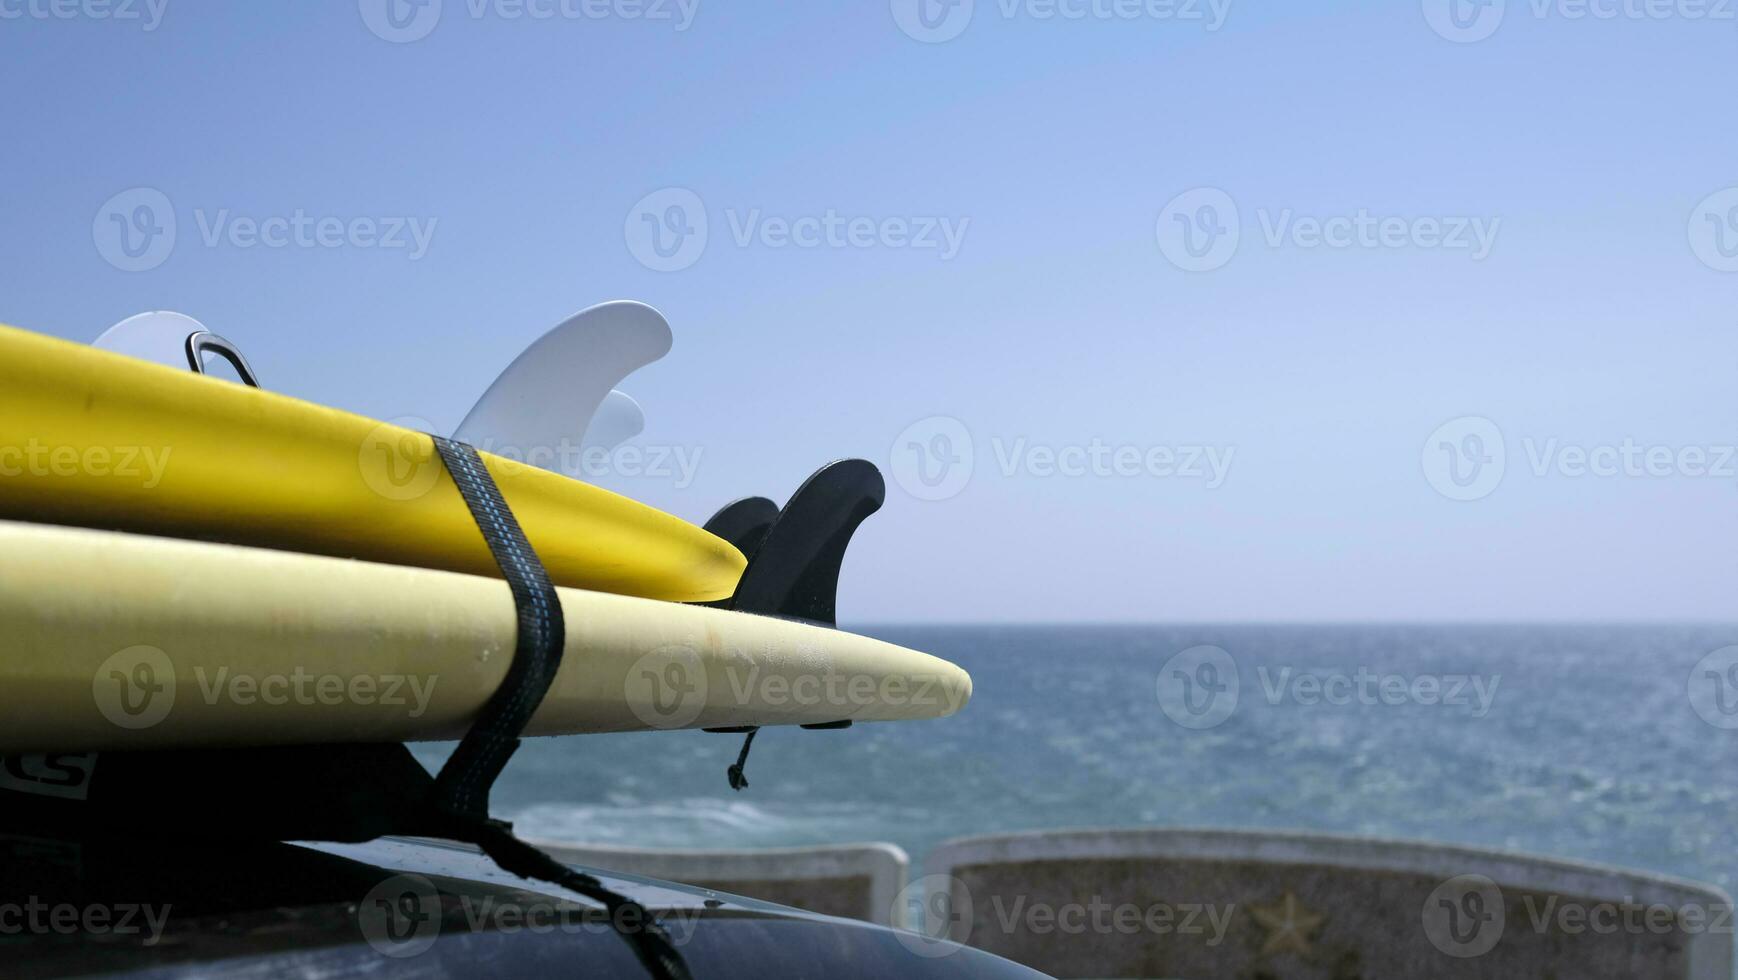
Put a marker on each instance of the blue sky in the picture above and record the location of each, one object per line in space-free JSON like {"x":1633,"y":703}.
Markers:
{"x":1534,"y":250}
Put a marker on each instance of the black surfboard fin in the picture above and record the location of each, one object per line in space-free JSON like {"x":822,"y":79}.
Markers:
{"x":795,"y":570}
{"x":794,"y":556}
{"x":744,"y":523}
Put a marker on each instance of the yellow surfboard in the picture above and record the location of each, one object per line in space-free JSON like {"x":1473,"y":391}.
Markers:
{"x":124,"y":641}
{"x":96,"y":439}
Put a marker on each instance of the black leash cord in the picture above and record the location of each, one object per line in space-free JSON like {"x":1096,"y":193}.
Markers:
{"x":461,"y":794}
{"x":738,"y":778}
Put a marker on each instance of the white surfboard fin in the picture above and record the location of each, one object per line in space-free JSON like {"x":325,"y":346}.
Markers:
{"x":618,"y":419}
{"x":554,"y":390}
{"x":160,"y":337}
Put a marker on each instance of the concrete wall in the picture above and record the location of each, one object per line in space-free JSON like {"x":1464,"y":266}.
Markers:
{"x":1209,"y":904}
{"x":1222,"y":904}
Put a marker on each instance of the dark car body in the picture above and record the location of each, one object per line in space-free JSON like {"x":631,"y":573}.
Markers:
{"x":155,"y":907}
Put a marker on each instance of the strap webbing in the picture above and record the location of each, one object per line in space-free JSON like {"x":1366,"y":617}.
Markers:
{"x":461,"y":792}
{"x":462,"y":788}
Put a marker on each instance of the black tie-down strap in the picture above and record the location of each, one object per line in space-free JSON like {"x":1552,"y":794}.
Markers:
{"x":462,"y":788}
{"x":461,"y":792}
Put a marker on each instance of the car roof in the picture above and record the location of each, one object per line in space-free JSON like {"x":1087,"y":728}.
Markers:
{"x":209,"y":907}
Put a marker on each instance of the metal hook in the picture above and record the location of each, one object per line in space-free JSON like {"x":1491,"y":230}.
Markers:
{"x":204,"y":342}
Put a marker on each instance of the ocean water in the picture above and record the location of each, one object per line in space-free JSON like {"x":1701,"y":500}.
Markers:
{"x":1575,"y":741}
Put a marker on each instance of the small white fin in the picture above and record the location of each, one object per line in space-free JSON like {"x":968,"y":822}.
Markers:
{"x":545,"y":401}
{"x":160,"y":337}
{"x":618,"y":419}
